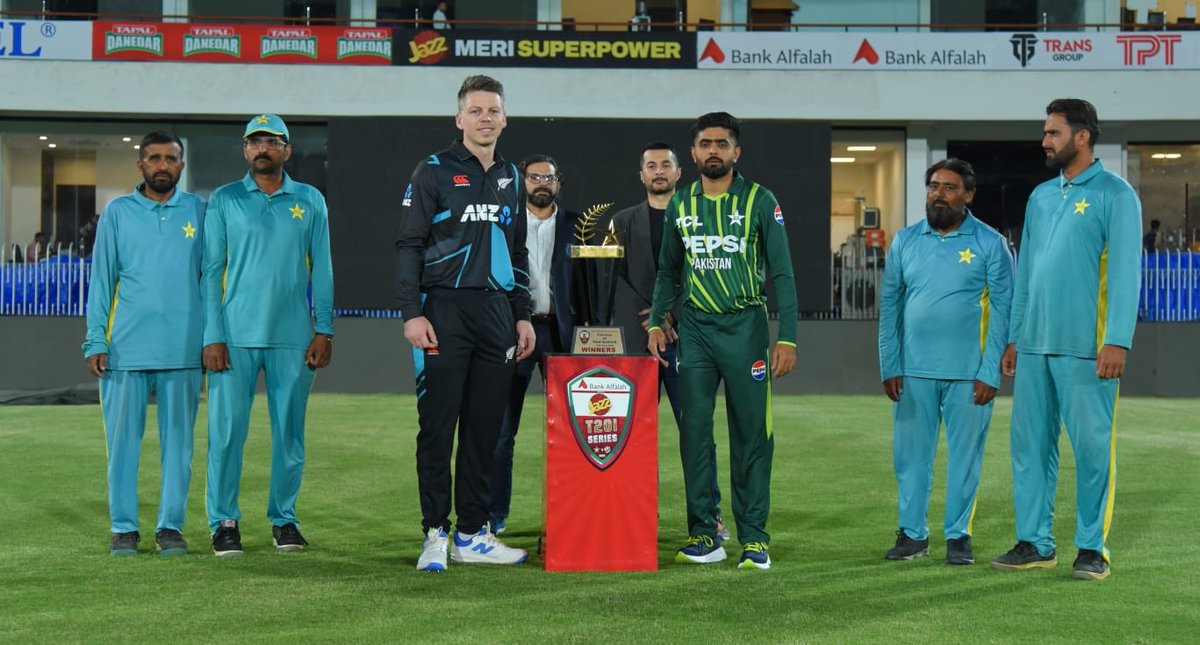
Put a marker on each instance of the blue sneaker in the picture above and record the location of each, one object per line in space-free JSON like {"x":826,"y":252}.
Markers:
{"x":700,"y":549}
{"x":484,"y":548}
{"x":754,"y":556}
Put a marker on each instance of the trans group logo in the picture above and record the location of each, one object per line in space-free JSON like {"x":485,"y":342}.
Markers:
{"x":1024,"y":46}
{"x":600,"y":406}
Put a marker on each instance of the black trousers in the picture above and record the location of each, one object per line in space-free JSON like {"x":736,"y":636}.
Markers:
{"x":463,"y":383}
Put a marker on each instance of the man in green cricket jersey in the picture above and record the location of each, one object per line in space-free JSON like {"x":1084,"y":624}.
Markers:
{"x":721,"y":235}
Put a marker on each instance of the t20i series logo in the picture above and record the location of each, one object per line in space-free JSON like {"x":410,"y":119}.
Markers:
{"x":601,"y":409}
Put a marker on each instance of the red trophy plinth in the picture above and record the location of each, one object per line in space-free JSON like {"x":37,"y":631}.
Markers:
{"x":601,"y":463}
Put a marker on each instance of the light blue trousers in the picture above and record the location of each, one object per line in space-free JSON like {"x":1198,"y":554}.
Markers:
{"x":124,"y":396}
{"x":230,"y":397}
{"x":1049,"y":392}
{"x":917,"y":418}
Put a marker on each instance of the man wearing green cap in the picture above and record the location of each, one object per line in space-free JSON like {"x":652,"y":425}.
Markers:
{"x":266,"y":242}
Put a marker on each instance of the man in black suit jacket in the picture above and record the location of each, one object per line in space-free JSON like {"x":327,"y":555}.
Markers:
{"x":640,"y":229}
{"x":559,"y":300}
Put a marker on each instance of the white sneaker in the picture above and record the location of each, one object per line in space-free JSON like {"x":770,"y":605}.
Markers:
{"x":433,"y":551}
{"x":485,"y":548}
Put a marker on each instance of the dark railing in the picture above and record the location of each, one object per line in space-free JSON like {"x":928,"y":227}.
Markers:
{"x":632,"y":24}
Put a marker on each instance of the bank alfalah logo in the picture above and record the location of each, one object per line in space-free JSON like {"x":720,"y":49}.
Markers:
{"x":1024,"y":47}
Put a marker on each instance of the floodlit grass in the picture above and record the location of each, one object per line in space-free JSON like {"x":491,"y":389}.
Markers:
{"x":833,"y":516}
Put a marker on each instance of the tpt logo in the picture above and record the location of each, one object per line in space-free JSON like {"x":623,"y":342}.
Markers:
{"x":1140,"y":48}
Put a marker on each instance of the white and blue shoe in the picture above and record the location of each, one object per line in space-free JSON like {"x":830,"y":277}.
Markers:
{"x":484,"y":548}
{"x":434,"y":551}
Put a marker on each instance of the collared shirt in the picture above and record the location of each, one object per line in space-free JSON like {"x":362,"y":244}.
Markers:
{"x":461,"y":228}
{"x":261,"y":254}
{"x":720,"y":248}
{"x":1079,"y":266}
{"x":539,"y":239}
{"x":144,"y":303}
{"x":943,"y":311}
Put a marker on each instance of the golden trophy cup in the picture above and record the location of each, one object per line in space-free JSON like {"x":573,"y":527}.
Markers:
{"x":592,"y":339}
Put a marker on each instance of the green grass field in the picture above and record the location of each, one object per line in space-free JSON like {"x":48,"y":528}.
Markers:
{"x":833,"y":516}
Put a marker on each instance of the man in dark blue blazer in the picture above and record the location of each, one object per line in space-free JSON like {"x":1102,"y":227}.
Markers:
{"x":559,"y":300}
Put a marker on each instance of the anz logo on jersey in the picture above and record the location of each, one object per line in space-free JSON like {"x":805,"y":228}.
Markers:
{"x":487,"y":213}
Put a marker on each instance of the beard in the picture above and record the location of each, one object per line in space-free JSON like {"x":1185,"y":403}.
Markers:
{"x":942,"y":216}
{"x":542,"y":197}
{"x":1062,"y":158}
{"x":161,"y":183}
{"x":715,"y":172}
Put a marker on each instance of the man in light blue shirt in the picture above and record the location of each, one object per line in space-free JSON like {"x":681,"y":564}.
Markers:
{"x":144,"y":322}
{"x":266,"y":241}
{"x":1074,"y":309}
{"x":943,"y":323}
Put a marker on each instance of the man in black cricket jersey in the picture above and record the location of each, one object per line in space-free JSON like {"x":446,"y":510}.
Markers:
{"x":462,"y":278}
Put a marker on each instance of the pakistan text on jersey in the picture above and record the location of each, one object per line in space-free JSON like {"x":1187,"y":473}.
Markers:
{"x":712,"y":264}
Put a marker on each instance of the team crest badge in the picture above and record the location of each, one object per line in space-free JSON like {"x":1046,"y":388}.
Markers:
{"x":601,"y":411}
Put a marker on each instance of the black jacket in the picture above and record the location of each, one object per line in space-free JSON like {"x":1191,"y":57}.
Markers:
{"x":462,"y":228}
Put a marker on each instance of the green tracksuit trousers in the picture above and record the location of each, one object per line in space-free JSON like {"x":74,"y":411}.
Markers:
{"x":732,"y":348}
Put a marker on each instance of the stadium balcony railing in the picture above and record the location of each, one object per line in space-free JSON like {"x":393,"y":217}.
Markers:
{"x":570,"y":24}
{"x":55,"y":282}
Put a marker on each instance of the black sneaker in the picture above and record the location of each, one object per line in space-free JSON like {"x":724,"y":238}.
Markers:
{"x":227,"y":541}
{"x":1090,"y":565}
{"x":124,"y":544}
{"x":288,"y":538}
{"x":959,"y":551}
{"x":907,"y":548}
{"x":1024,"y":556}
{"x":170,"y":542}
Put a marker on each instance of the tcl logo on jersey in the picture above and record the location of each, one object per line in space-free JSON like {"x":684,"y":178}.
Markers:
{"x":758,"y":370}
{"x":710,"y":243}
{"x":688,"y":221}
{"x":461,"y":181}
{"x":486,"y":213}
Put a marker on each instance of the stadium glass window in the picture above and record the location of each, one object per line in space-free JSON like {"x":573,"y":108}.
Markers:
{"x":1001,"y":15}
{"x":88,"y":9}
{"x":401,"y":13}
{"x":1165,"y":178}
{"x":281,"y":11}
{"x":55,"y":175}
{"x":58,"y":175}
{"x":214,"y":153}
{"x":866,"y":172}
